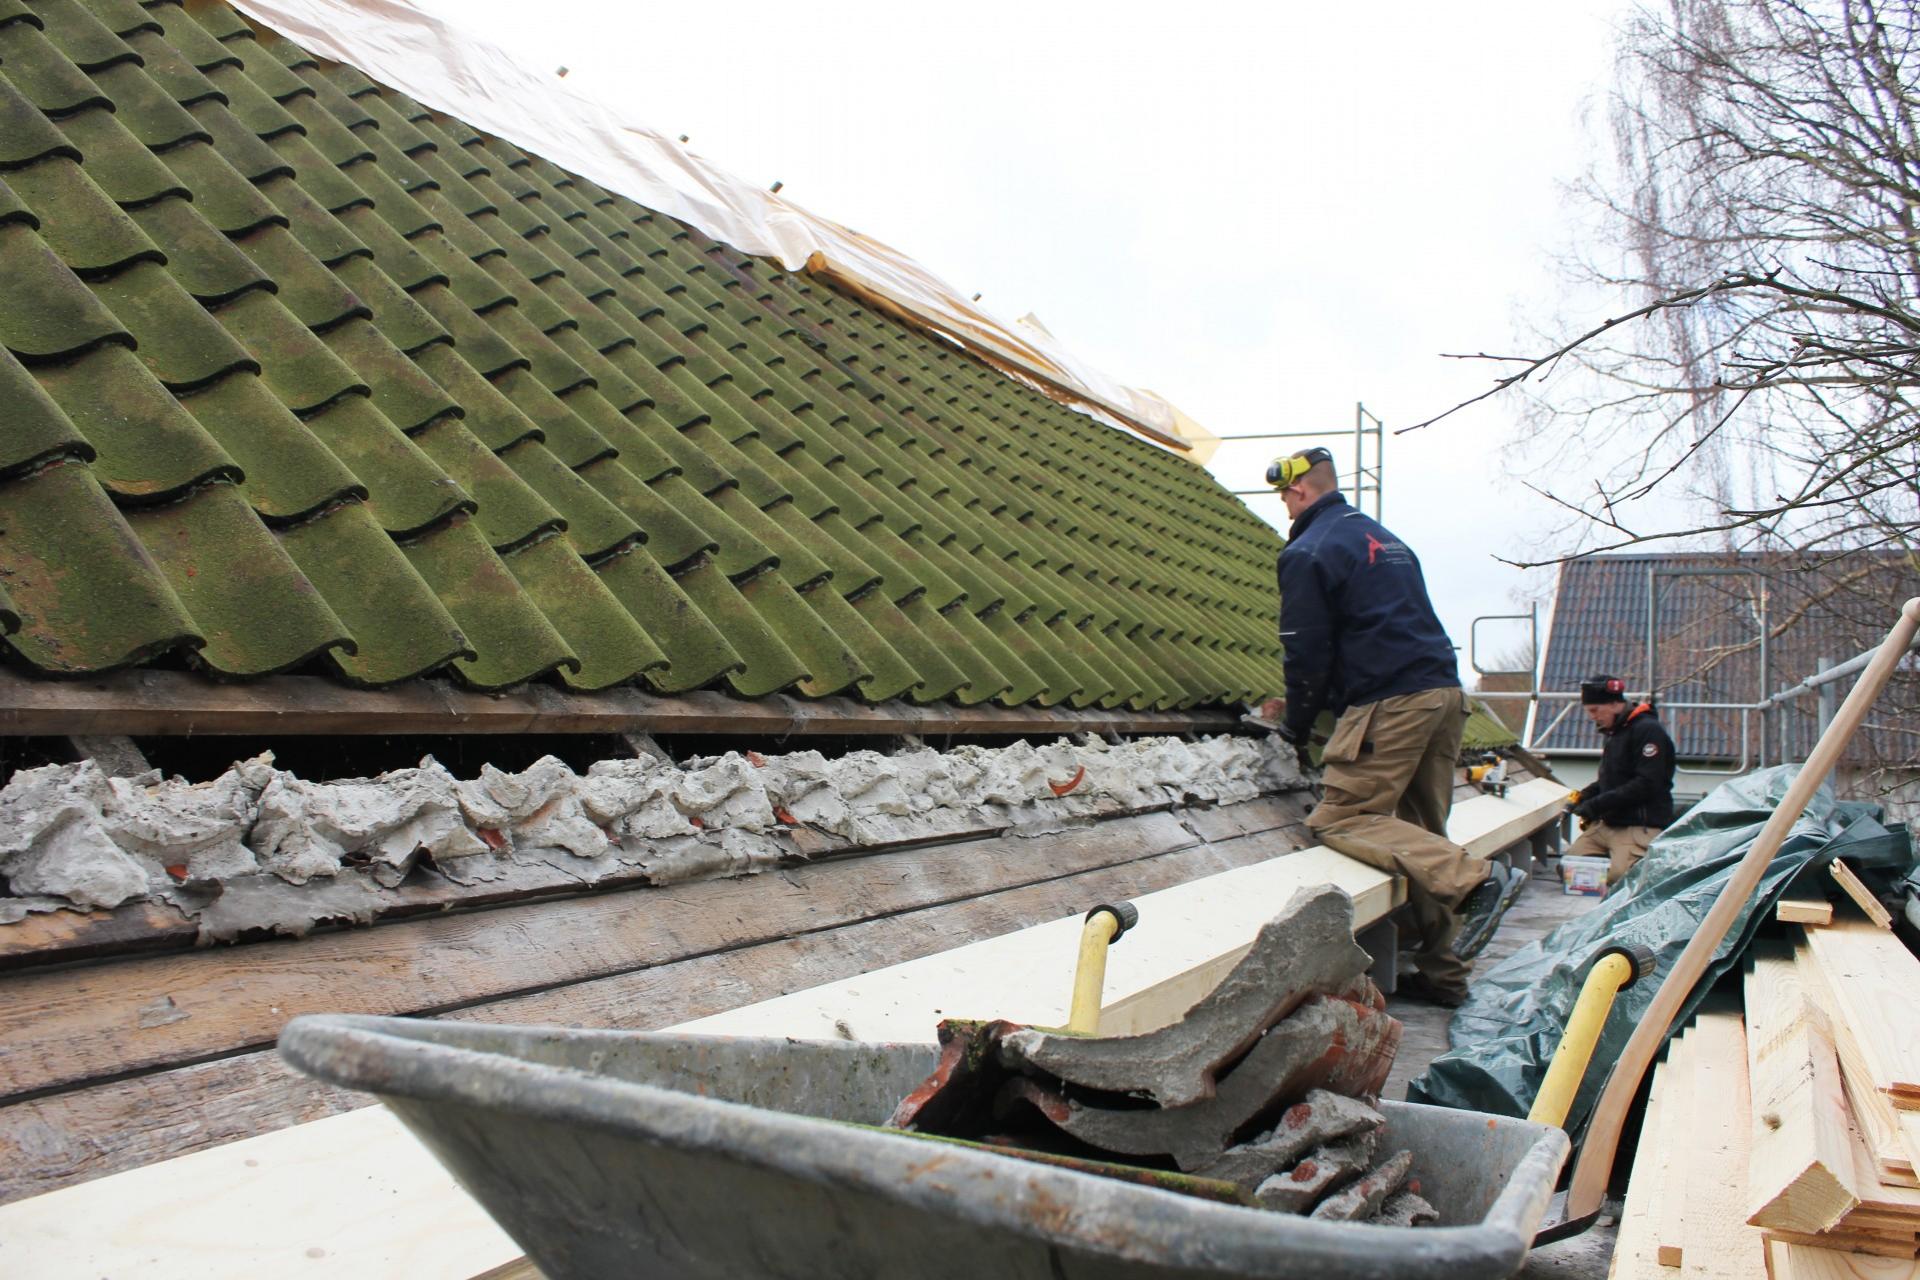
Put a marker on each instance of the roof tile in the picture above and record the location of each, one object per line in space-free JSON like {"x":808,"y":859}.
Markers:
{"x":148,"y":446}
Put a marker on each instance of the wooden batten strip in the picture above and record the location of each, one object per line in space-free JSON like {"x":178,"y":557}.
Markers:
{"x":1862,"y":896}
{"x":1636,"y":1248}
{"x":1670,"y":1222}
{"x":167,"y":703}
{"x":1800,"y":1164}
{"x":1796,"y":910}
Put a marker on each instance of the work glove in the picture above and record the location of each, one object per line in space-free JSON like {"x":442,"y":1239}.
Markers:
{"x":1300,"y":738}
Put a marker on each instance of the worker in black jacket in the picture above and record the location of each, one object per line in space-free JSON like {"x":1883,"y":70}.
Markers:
{"x":1362,"y":641}
{"x":1633,"y":799}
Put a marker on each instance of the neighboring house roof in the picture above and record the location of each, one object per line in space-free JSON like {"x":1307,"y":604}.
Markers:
{"x":300,"y":375}
{"x":1707,"y":644}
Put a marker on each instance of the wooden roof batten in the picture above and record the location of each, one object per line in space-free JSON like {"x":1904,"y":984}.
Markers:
{"x":152,"y":703}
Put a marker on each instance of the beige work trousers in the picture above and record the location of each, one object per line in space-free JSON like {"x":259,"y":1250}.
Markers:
{"x":1389,"y":774}
{"x":1620,"y":846}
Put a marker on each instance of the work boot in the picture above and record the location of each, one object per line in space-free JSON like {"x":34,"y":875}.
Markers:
{"x":1483,"y":908}
{"x":1480,"y":911}
{"x":1419,"y":987}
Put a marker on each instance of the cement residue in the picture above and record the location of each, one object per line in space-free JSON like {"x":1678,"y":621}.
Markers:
{"x":259,"y":848}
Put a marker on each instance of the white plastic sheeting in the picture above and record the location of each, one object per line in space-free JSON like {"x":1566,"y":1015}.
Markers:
{"x":398,"y":44}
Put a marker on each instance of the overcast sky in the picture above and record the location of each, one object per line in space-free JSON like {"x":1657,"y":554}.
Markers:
{"x":1266,"y":213}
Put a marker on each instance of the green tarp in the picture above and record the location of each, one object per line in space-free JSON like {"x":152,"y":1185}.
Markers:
{"x":1504,"y":1036}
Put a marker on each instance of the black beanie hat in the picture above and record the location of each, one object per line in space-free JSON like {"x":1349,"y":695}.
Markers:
{"x":1599,"y":690}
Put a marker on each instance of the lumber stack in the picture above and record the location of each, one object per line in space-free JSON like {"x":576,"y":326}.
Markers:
{"x":1780,"y":1137}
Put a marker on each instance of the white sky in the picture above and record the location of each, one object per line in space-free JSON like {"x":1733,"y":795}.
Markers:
{"x":1264,"y":212}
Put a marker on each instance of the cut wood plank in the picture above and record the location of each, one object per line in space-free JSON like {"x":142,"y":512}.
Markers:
{"x":1636,"y":1248}
{"x":1862,"y":896}
{"x":1799,"y":910}
{"x":1674,"y":1140}
{"x":1874,"y":1114}
{"x":1849,"y":1242}
{"x":51,"y":1142}
{"x":1874,"y":980}
{"x":1800,"y":1162}
{"x":1800,"y":1262}
{"x":161,"y":703}
{"x":69,"y":1026}
{"x":1718,"y":1243}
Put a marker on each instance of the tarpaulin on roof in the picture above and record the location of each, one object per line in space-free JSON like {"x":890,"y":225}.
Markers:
{"x":1504,"y":1036}
{"x":417,"y":53}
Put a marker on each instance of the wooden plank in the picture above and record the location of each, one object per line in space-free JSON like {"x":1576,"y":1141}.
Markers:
{"x":1800,"y":1163}
{"x":1670,"y":1228}
{"x":1719,"y":1245}
{"x":1878,"y":1121}
{"x":1801,"y":1262}
{"x":266,"y":1208}
{"x":1803,"y":910}
{"x":70,"y":1026}
{"x":160,"y":703}
{"x":50,"y":1142}
{"x":1850,"y":1242}
{"x":1862,"y":896}
{"x":1483,"y":826}
{"x":1873,"y":979}
{"x":1636,"y":1248}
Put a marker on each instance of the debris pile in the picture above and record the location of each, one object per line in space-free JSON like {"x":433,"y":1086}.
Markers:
{"x":1261,"y":1094}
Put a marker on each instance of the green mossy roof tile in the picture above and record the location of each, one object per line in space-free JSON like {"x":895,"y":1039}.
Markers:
{"x":401,"y":390}
{"x":595,"y":527}
{"x":822,"y":481}
{"x":400,"y":627}
{"x":513,"y":639}
{"x":45,"y":310}
{"x":610,"y":645}
{"x":147,"y":446}
{"x":88,"y":593}
{"x":254,"y":608}
{"x":407,"y":491}
{"x":507,"y":510}
{"x":38,"y":432}
{"x":48,"y":78}
{"x":673,"y":538}
{"x":79,"y":221}
{"x":289,"y":473}
{"x":697,"y":653}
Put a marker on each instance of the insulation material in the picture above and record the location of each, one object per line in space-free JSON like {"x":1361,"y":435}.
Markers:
{"x":395,"y":42}
{"x":260,"y":848}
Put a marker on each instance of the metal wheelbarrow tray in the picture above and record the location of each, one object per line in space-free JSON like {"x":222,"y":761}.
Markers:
{"x":611,"y":1154}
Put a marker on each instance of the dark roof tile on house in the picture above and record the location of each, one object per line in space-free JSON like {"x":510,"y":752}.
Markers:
{"x":1707,"y":627}
{"x":298,"y":371}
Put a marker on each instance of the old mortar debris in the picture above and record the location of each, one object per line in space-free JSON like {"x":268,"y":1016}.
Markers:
{"x":1261,"y":1095}
{"x":259,"y":848}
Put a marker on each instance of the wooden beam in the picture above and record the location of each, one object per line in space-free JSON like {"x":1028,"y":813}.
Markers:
{"x":1862,"y":896}
{"x":1787,"y":1261}
{"x":163,"y":703}
{"x":1800,"y":1159}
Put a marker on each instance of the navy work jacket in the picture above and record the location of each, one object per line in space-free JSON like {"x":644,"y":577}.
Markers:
{"x":1635,"y":788}
{"x":1354,"y":616}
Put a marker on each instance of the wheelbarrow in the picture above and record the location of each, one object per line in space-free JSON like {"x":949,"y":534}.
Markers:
{"x":609,"y":1154}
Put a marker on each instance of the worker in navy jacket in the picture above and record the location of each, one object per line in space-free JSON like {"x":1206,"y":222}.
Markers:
{"x":1362,"y":641}
{"x":1633,"y":799}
